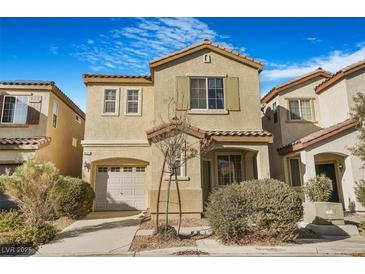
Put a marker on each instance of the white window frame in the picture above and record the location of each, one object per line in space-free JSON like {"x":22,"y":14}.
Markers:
{"x":227,"y":154}
{"x":206,"y":94}
{"x":116,"y":111}
{"x":300,"y":171}
{"x":2,"y":114}
{"x":55,"y":111}
{"x":299,"y":100}
{"x":139,"y":112}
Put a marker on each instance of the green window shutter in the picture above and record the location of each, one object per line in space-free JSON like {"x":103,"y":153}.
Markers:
{"x":182,"y":93}
{"x":232,"y":93}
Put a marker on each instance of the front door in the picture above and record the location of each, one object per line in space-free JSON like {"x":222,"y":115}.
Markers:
{"x":329,"y":171}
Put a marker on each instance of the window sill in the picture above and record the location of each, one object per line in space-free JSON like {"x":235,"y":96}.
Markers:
{"x":301,"y":121}
{"x":132,"y":114}
{"x":208,"y":111}
{"x":13,"y":125}
{"x":179,"y":178}
{"x":109,"y":114}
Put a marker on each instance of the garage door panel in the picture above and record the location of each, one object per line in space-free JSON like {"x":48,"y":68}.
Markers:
{"x":120,"y":188}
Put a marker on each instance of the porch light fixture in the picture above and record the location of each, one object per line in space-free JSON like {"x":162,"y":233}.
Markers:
{"x":87,"y":165}
{"x":340,"y":166}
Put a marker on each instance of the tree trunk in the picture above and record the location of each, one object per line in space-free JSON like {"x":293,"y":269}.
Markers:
{"x":179,"y":202}
{"x":159,"y":193}
{"x":168,"y":202}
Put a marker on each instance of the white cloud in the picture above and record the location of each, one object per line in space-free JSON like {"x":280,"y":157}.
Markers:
{"x":333,"y":62}
{"x":53,"y":49}
{"x":130,"y":48}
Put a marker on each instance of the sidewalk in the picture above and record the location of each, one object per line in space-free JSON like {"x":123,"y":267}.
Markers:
{"x":332,"y":246}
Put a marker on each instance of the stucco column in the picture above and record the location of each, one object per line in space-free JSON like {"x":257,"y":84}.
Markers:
{"x":307,"y":165}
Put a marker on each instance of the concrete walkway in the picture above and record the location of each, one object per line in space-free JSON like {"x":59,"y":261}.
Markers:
{"x":100,"y":233}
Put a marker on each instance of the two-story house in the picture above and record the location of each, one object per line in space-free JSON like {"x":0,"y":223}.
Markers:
{"x":218,"y":89}
{"x":313,"y":130}
{"x":38,"y":120}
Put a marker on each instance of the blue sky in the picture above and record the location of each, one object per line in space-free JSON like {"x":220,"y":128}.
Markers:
{"x":62,"y":49}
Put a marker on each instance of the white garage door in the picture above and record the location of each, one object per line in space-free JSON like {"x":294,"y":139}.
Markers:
{"x":119,"y":188}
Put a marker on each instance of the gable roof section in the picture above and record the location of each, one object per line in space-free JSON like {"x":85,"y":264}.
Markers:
{"x":207,"y":44}
{"x":49,"y":85}
{"x":117,"y":78}
{"x":317,"y":136}
{"x":338,"y":76}
{"x":300,"y":80}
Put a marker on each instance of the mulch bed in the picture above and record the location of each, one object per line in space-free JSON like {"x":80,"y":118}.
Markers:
{"x":150,"y":242}
{"x":150,"y":224}
{"x":190,"y":253}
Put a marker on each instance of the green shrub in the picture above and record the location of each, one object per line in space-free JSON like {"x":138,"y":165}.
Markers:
{"x":265,"y":209}
{"x":318,"y":189}
{"x":31,"y":186}
{"x":76,"y":197}
{"x":360,"y":192}
{"x":14,"y":230}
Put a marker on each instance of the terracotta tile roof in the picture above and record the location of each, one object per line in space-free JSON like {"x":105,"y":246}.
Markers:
{"x":237,"y":133}
{"x":27,"y":82}
{"x":52,"y":85}
{"x":201,"y":133}
{"x":339,"y":76}
{"x":25,"y":140}
{"x":317,"y":136}
{"x":148,"y":77}
{"x":212,"y":46}
{"x":292,"y":83}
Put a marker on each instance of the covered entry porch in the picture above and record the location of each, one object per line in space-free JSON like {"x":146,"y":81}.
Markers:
{"x":233,"y":158}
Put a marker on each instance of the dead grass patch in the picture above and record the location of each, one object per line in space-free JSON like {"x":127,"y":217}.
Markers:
{"x":150,"y":224}
{"x":62,"y":223}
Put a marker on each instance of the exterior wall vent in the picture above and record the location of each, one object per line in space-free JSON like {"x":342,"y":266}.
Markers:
{"x":206,"y":58}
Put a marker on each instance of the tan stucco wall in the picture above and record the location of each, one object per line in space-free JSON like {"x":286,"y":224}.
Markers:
{"x":27,"y":130}
{"x":66,"y":157}
{"x":334,"y":105}
{"x":117,"y":127}
{"x":355,"y":83}
{"x":249,"y":116}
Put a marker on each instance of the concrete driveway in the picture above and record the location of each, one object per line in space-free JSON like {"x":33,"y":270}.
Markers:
{"x":100,"y":233}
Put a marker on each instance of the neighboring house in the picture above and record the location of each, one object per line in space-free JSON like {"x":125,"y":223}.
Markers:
{"x":38,"y":120}
{"x":313,"y":131}
{"x":219,"y":91}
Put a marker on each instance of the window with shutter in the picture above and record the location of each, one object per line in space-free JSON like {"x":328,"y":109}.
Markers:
{"x":34,"y":110}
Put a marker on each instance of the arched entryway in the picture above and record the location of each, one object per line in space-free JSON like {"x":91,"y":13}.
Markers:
{"x":119,"y":184}
{"x":332,"y":165}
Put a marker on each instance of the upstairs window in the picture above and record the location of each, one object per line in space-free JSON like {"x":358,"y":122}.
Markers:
{"x":15,"y":110}
{"x":300,"y":109}
{"x":133,"y":106}
{"x":206,"y":93}
{"x":110,"y":101}
{"x":55,"y":114}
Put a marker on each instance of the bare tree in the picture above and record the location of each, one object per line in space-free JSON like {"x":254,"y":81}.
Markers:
{"x":177,"y":150}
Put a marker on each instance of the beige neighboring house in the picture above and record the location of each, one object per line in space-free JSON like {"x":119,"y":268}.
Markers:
{"x":216,"y":87}
{"x":313,"y":131}
{"x":38,"y":120}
